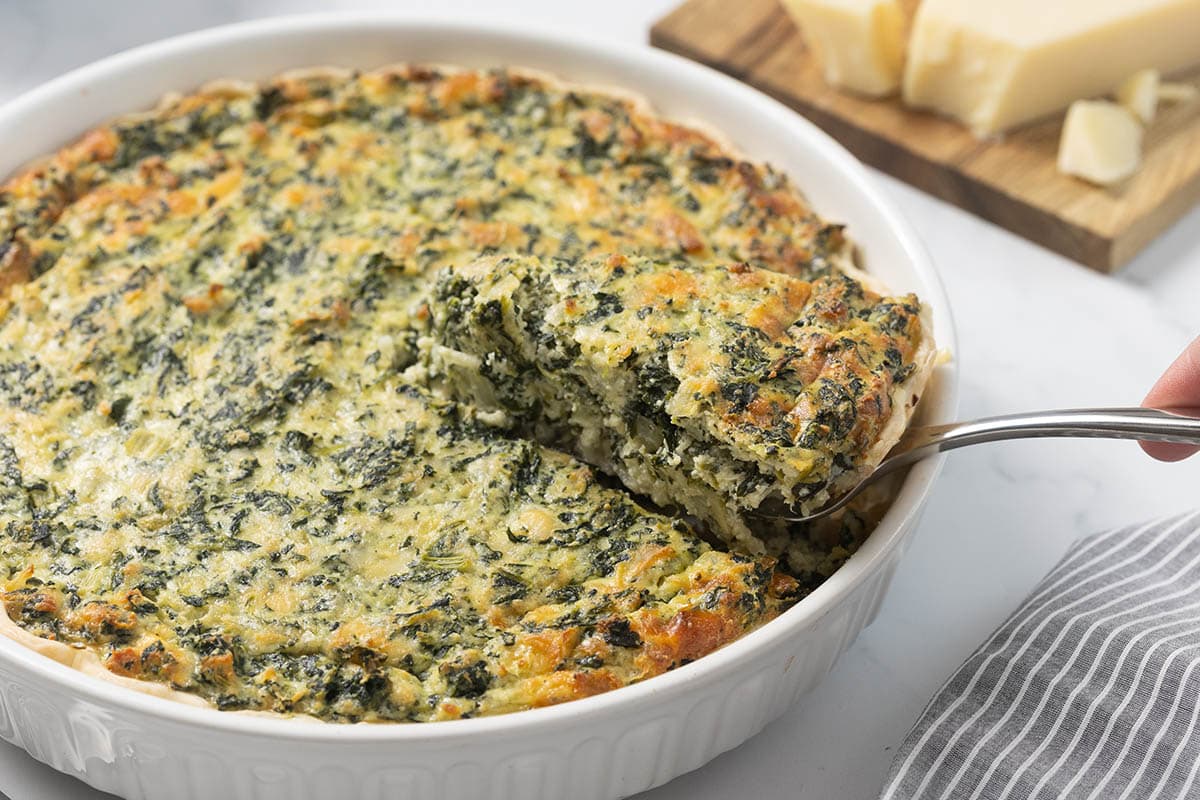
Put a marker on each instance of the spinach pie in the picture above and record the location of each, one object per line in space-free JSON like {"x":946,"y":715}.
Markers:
{"x":422,"y":394}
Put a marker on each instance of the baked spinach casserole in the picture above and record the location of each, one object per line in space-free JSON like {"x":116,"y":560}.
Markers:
{"x":423,"y":394}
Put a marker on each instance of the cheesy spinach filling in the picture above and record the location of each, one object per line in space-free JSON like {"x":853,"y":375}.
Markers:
{"x":707,"y":388}
{"x":224,"y":466}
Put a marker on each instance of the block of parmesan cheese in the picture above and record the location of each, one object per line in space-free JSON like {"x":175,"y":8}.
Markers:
{"x":995,"y":65}
{"x":859,"y":43}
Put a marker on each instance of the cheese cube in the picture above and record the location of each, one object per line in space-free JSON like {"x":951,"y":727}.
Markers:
{"x":995,"y":65}
{"x":859,"y":43}
{"x":1139,"y":93}
{"x":1101,"y":142}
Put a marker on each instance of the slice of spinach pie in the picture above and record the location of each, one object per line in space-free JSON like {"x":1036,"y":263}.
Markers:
{"x":711,"y":388}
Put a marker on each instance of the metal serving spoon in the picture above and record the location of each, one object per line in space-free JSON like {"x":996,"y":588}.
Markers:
{"x":1144,"y":424}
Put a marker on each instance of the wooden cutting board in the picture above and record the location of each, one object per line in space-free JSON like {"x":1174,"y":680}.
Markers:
{"x":1011,"y":181}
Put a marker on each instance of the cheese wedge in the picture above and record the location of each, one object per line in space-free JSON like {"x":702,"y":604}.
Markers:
{"x":1101,"y":142}
{"x":994,"y":65}
{"x":1139,"y":93}
{"x":859,"y":43}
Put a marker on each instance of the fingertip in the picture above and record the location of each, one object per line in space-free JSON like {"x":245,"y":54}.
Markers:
{"x":1164,"y":451}
{"x":1179,"y":386}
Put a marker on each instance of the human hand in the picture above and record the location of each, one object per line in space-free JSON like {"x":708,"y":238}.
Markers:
{"x":1177,"y":390}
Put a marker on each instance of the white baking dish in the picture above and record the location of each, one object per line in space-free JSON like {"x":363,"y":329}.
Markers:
{"x":607,"y":746}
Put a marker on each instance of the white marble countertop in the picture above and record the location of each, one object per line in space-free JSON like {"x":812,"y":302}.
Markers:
{"x":1036,"y":332}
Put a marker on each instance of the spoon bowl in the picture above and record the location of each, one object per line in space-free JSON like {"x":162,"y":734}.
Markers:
{"x":1142,"y":424}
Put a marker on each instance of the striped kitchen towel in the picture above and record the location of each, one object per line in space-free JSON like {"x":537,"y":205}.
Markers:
{"x":1090,"y":690}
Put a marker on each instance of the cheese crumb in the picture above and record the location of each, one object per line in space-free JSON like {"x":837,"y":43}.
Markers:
{"x":1101,"y":142}
{"x":1177,"y":92}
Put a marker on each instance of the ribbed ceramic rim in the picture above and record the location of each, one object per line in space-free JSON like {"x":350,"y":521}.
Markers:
{"x":941,"y":403}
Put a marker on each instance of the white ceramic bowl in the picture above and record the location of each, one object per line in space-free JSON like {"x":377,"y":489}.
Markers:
{"x":602,"y":747}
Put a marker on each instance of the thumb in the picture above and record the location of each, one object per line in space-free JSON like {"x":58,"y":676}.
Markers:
{"x":1177,"y":390}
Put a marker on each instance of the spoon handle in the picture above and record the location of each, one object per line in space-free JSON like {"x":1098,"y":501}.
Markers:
{"x":1144,"y":424}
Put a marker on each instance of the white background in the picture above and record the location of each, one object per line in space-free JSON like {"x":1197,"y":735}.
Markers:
{"x":1036,"y":332}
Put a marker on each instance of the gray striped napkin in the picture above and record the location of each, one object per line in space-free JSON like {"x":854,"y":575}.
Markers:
{"x":1090,"y":690}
